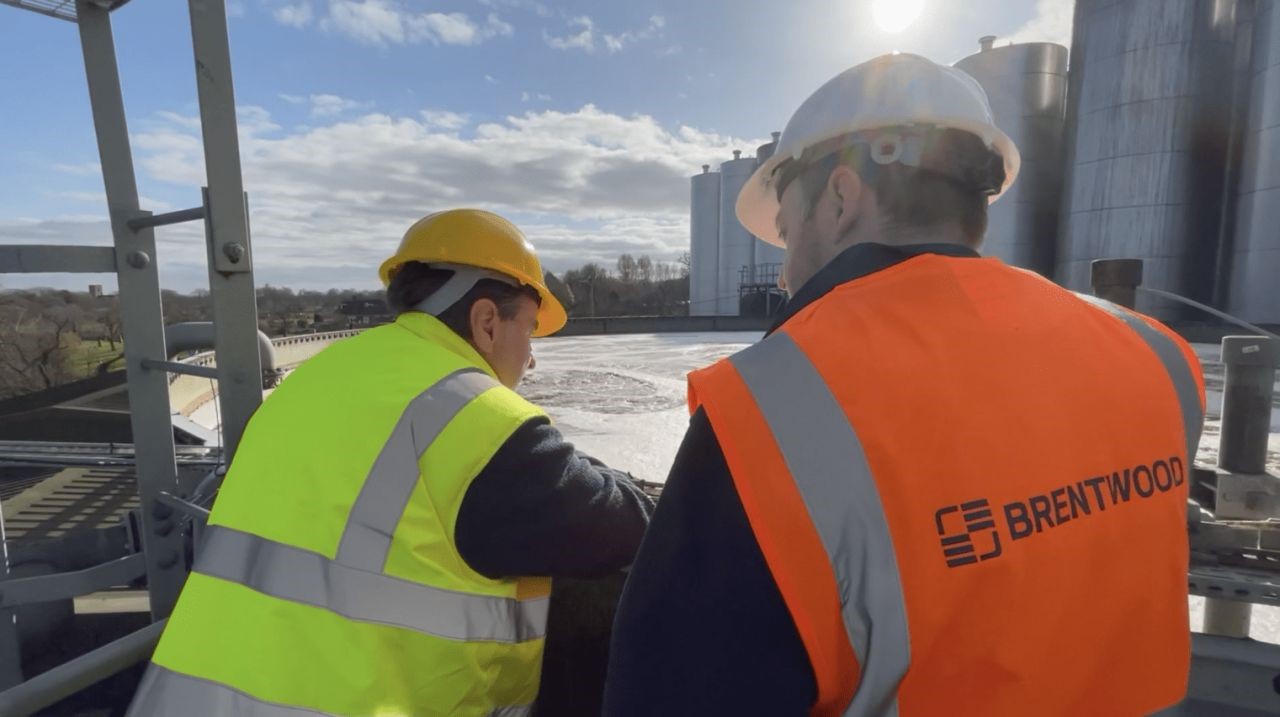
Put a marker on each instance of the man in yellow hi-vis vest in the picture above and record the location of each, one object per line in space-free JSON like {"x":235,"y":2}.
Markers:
{"x":384,"y":540}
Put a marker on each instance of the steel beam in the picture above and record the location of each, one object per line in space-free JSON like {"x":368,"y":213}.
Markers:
{"x":231,"y":286}
{"x":51,"y":258}
{"x":140,"y":310}
{"x":60,"y":586}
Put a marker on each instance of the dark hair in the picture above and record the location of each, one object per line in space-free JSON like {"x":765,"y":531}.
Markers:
{"x":415,"y":281}
{"x":956,"y":175}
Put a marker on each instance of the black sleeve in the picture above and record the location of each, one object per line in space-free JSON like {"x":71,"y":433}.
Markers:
{"x":541,"y":508}
{"x":702,"y":628}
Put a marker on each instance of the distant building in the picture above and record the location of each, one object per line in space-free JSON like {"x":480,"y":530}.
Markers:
{"x":95,"y":291}
{"x":365,"y":312}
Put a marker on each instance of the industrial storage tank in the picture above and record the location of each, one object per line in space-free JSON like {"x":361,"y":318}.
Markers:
{"x":1148,"y":138}
{"x":737,"y":245}
{"x":704,"y":244}
{"x":1027,"y":87}
{"x":767,"y":254}
{"x":1254,"y":292}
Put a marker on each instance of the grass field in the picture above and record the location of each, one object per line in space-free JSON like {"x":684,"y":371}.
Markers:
{"x":84,"y":359}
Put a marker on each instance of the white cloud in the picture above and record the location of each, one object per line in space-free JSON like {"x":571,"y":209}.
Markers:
{"x":329,"y":105}
{"x":584,"y":39}
{"x":534,"y":97}
{"x":532,"y":5}
{"x":585,"y":185}
{"x":444,"y":119}
{"x":1052,"y":23}
{"x":383,"y":22}
{"x":490,"y":79}
{"x":326,"y":105}
{"x":86,"y":169}
{"x":296,"y":15}
{"x":236,"y":9}
{"x":590,"y":40}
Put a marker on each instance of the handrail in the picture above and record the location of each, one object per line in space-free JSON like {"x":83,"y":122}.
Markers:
{"x":1208,"y":310}
{"x":47,"y":688}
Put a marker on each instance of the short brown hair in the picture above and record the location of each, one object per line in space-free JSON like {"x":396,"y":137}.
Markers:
{"x":952,"y":183}
{"x":415,"y":281}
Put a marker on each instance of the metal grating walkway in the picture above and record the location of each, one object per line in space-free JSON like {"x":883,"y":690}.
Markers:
{"x":61,"y":9}
{"x":70,"y":499}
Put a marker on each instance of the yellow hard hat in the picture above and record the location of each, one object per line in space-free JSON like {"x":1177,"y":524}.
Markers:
{"x":474,"y":237}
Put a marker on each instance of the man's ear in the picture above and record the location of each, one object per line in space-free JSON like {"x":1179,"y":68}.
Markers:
{"x":484,"y":324}
{"x":845,"y":188}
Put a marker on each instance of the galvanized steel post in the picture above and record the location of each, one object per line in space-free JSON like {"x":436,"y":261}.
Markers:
{"x":1117,"y":280}
{"x":1250,"y":363}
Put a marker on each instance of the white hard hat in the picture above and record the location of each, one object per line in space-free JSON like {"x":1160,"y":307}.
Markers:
{"x":898,"y":90}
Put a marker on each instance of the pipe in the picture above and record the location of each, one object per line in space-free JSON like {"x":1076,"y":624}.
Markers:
{"x":199,"y":335}
{"x":88,"y":669}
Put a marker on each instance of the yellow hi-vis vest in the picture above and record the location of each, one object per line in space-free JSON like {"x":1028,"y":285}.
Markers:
{"x":329,"y":581}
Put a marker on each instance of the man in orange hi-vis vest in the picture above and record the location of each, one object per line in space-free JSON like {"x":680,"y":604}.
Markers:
{"x":927,"y":489}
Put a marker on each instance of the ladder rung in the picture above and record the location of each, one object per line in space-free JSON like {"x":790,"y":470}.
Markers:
{"x":183,"y":368}
{"x":53,"y":258}
{"x":159,"y":220}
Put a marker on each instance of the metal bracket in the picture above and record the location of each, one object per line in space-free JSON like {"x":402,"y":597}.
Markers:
{"x":185,"y":507}
{"x":182,"y":368}
{"x":229,"y":257}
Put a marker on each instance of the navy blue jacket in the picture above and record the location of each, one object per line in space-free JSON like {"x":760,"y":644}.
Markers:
{"x":541,"y":508}
{"x":702,"y":629}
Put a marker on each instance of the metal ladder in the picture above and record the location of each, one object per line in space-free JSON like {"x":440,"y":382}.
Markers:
{"x":132,"y":257}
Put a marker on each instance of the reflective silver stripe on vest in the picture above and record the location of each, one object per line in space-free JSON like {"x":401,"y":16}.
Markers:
{"x":516,"y":711}
{"x":165,"y":693}
{"x":826,"y":460}
{"x":290,"y":573}
{"x":1175,"y":363}
{"x":366,"y":540}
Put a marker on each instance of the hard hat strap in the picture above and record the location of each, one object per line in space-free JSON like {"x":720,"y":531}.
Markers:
{"x":464,"y":278}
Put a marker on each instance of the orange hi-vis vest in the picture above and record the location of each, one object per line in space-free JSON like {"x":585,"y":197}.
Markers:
{"x":970,"y":486}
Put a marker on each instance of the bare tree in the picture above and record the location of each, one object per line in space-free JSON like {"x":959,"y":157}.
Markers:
{"x":35,"y":350}
{"x":627,"y":268}
{"x":644,"y":269}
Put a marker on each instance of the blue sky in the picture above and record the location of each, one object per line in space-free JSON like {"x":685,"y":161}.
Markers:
{"x":579,"y":120}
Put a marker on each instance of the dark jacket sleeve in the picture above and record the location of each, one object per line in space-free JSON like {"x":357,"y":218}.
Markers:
{"x":541,"y":508}
{"x":702,"y":628}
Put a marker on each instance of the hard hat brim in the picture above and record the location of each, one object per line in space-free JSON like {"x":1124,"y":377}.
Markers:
{"x":757,"y":204}
{"x":551,"y":314}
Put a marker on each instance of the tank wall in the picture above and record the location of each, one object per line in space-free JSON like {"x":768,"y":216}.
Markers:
{"x":1150,"y":143}
{"x":1027,"y":87}
{"x":1254,"y":291}
{"x":704,"y":250}
{"x":737,"y":245}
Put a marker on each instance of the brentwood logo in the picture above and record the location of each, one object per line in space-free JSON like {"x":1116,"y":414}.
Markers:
{"x":969,"y":532}
{"x":962,"y":534}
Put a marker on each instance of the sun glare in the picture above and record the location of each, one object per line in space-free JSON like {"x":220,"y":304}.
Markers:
{"x":896,"y":15}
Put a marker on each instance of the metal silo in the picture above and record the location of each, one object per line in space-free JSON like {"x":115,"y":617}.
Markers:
{"x":1149,"y":135}
{"x":767,"y":254}
{"x":1254,"y":292}
{"x":1027,"y":87}
{"x":704,"y":249}
{"x":737,"y":245}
